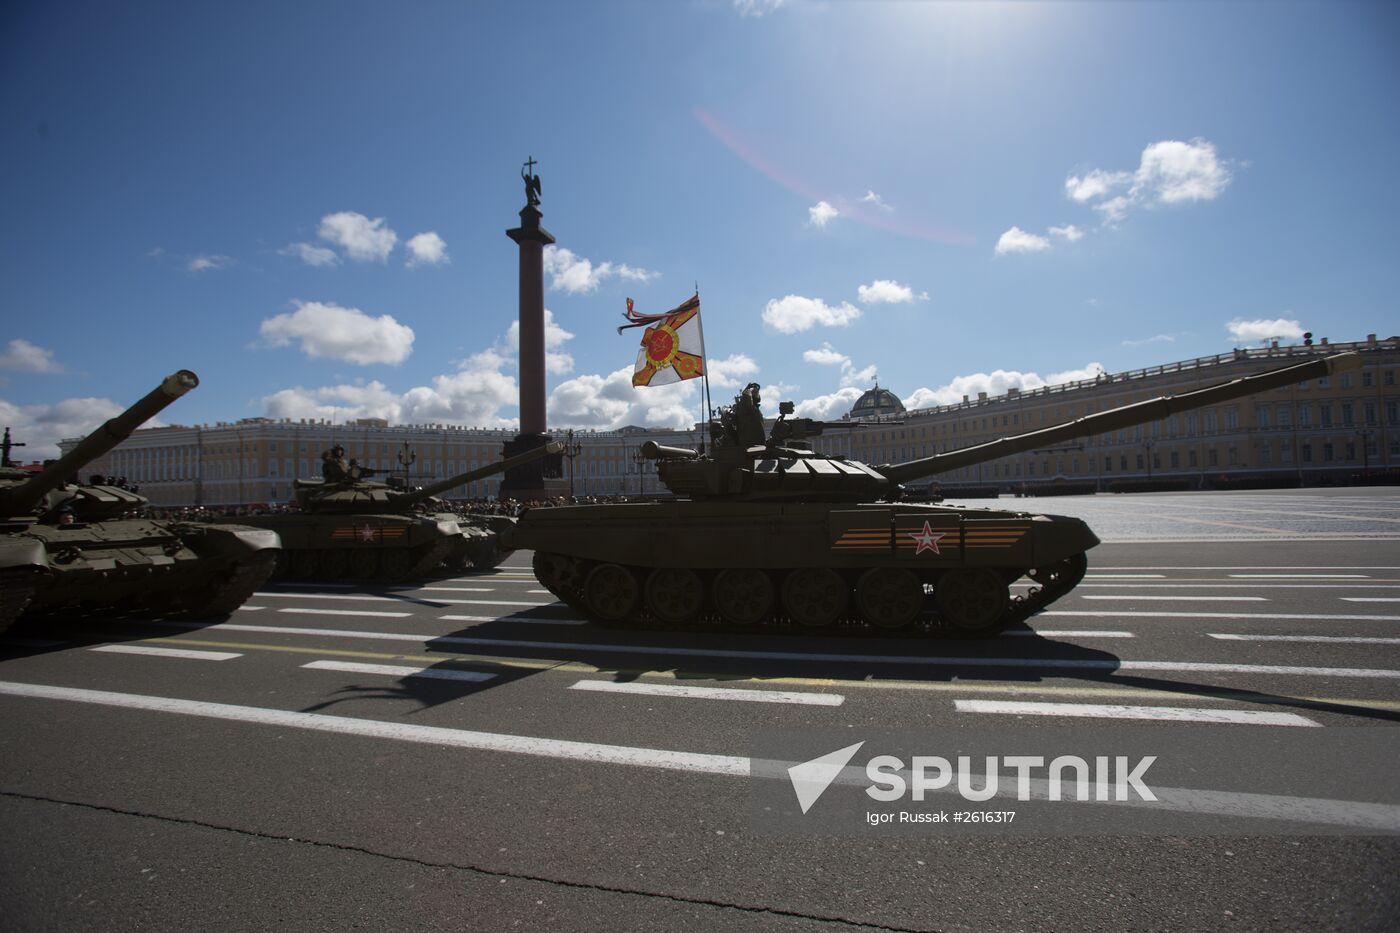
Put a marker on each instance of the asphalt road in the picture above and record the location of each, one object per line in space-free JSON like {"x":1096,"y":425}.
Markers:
{"x":468,"y":754}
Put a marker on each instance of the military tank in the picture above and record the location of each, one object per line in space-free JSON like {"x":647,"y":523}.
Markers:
{"x":350,"y":528}
{"x":68,"y":545}
{"x":765,"y":530}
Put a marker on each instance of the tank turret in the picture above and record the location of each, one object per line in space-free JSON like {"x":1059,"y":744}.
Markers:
{"x":25,"y":496}
{"x":785,"y":468}
{"x":352,"y":494}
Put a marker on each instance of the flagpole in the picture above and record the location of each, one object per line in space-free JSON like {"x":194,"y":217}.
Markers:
{"x":704,"y":371}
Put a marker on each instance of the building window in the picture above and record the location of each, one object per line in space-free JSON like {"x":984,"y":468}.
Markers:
{"x":1346,"y":380}
{"x":1351,"y":450}
{"x":1370,"y":409}
{"x":1285,"y":454}
{"x":1307,"y":453}
{"x":1265,"y":456}
{"x":1175,"y":459}
{"x":1368,"y":379}
{"x":1139,"y":461}
{"x":1213,"y":457}
{"x":1261,"y":416}
{"x":1191,"y":458}
{"x":1347,"y":418}
{"x":1108,"y":464}
{"x":1284,"y":416}
{"x":1232,"y":418}
{"x":1327,"y":452}
{"x":1325,"y":411}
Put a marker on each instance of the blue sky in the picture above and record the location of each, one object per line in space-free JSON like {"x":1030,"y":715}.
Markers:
{"x":305,"y":203}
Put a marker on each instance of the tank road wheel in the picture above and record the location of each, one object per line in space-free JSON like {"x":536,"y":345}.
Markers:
{"x":675,"y":594}
{"x":611,"y":592}
{"x":815,"y":596}
{"x":395,"y":564}
{"x":364,"y":564}
{"x":974,"y":599}
{"x":890,"y":597}
{"x":335,"y":563}
{"x":305,"y":564}
{"x":743,"y":595}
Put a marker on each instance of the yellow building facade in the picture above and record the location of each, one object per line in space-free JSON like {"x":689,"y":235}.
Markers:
{"x":1316,"y":432}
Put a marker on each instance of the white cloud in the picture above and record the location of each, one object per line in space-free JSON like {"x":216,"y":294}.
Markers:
{"x":1173,"y":171}
{"x":1157,"y":338}
{"x":826,"y":355}
{"x":1069,"y":232}
{"x":41,"y":427}
{"x":311,"y":254}
{"x":884,"y":291}
{"x":829,"y":407}
{"x":757,"y":7}
{"x":793,"y":313}
{"x":611,"y":401}
{"x":1017,"y":240}
{"x":1169,"y":172}
{"x":205,"y":263}
{"x":363,"y":240}
{"x":1095,"y":184}
{"x":426,"y":249}
{"x":327,"y":330}
{"x":23,"y":356}
{"x":1257,"y":331}
{"x":994,"y":384}
{"x":576,"y":274}
{"x":554,"y":338}
{"x":732,"y":371}
{"x":821,"y":214}
{"x":873,"y":198}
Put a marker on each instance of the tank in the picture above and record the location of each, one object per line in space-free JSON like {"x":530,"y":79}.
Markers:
{"x":351,"y":528}
{"x":68,"y":545}
{"x":764,"y":530}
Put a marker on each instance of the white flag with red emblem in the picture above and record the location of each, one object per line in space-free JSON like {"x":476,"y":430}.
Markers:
{"x":673,"y":345}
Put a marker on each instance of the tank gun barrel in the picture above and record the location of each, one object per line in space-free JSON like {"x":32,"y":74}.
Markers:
{"x":1117,"y":418}
{"x":654,"y":451}
{"x":24,"y":497}
{"x":471,"y":476}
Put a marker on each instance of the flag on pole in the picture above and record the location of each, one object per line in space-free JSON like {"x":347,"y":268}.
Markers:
{"x":673,"y":345}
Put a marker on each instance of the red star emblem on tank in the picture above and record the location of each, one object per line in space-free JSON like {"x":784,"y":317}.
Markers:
{"x":368,"y":533}
{"x":926,"y":539}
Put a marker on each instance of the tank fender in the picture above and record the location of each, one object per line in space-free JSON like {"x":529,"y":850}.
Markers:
{"x":20,"y":551}
{"x":229,"y":540}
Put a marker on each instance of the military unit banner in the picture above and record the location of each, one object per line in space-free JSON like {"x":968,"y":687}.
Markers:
{"x":673,"y":345}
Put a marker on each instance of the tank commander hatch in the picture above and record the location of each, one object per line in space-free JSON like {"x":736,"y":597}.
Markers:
{"x":334,"y":469}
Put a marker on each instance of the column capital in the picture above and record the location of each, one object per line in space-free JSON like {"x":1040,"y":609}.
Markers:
{"x":530,"y":230}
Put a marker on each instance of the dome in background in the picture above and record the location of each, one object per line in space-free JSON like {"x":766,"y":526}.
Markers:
{"x":877,"y":402}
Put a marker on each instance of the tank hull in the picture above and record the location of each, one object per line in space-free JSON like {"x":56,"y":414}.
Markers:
{"x":141,"y":566}
{"x":889,"y":565}
{"x":387,"y":547}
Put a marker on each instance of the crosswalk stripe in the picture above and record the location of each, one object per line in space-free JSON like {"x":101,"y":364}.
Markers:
{"x":394,"y":670}
{"x":711,"y":693}
{"x":185,"y":653}
{"x":1159,"y":713}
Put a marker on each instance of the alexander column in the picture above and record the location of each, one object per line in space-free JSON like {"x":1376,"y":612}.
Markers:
{"x":527,"y":482}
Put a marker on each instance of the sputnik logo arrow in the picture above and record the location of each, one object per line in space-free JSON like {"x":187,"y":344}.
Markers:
{"x":811,"y":778}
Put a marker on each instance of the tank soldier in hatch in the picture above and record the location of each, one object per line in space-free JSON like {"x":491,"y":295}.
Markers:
{"x":334,"y":469}
{"x":748,"y":420}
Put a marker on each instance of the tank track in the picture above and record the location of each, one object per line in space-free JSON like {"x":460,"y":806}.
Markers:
{"x":16,"y":590}
{"x":241,"y":584}
{"x":566,"y":577}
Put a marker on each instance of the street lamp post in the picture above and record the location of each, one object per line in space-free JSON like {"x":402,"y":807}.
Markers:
{"x":640,"y":461}
{"x":1365,"y":436}
{"x":1147,"y":446}
{"x":571,"y":450}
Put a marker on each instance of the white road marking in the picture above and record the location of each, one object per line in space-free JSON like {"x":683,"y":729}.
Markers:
{"x":1273,"y":569}
{"x":394,"y":670}
{"x":168,"y":652}
{"x":1300,"y":576}
{"x":455,"y":589}
{"x":712,"y":693}
{"x":1160,"y":713}
{"x":1124,"y":576}
{"x":403,"y":598}
{"x":1319,"y":639}
{"x":347,"y":612}
{"x":1261,"y":616}
{"x":1361,"y":815}
{"x":528,"y":620}
{"x":403,"y":732}
{"x":1369,"y":599}
{"x":1239,"y":585}
{"x":246,"y":608}
{"x":1095,"y":664}
{"x":1185,"y":599}
{"x":1064,"y":633}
